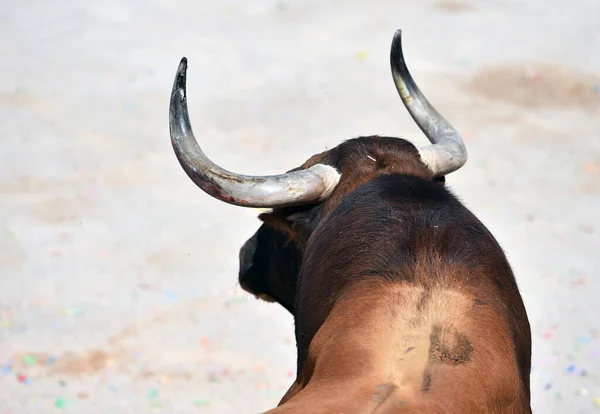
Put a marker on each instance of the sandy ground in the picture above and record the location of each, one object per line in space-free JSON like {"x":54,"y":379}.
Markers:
{"x":118,"y":277}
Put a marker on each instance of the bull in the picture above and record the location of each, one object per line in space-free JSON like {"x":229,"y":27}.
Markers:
{"x":403,"y":301}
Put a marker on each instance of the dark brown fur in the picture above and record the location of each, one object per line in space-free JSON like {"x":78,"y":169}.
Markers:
{"x":392,"y":261}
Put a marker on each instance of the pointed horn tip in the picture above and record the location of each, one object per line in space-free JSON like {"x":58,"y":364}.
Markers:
{"x":180,"y":80}
{"x":396,"y":50}
{"x":397,"y":40}
{"x":182,"y":65}
{"x":181,"y":72}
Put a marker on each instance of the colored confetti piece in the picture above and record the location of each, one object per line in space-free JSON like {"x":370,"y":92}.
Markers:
{"x":597,"y":401}
{"x":72,"y":312}
{"x":30,"y":360}
{"x":571,"y":369}
{"x":582,"y":392}
{"x":23,"y":379}
{"x":153,"y":393}
{"x":6,"y":369}
{"x":580,"y":281}
{"x":156,"y":405}
{"x":201,"y":402}
{"x":60,"y":402}
{"x":590,"y":167}
{"x":362,"y":55}
{"x":468,"y":135}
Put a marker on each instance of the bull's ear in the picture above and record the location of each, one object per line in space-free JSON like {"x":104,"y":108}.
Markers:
{"x":297,"y":223}
{"x":304,"y":222}
{"x":279,"y":223}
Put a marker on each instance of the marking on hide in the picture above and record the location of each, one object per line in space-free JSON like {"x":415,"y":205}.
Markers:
{"x":446,"y":346}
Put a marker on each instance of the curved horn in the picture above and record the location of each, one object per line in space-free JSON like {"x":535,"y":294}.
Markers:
{"x":298,"y":187}
{"x":447,"y":152}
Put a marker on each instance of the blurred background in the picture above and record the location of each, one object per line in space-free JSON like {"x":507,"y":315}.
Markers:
{"x":118,"y":277}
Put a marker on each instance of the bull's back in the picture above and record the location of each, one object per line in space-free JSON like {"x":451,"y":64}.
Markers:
{"x":388,"y":347}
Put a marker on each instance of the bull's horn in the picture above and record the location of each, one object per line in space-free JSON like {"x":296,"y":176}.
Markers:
{"x":447,"y":152}
{"x":293,"y":188}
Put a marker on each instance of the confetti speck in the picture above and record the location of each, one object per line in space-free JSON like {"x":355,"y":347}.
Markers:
{"x":361,"y":55}
{"x":580,"y":281}
{"x":571,"y":369}
{"x":153,"y":393}
{"x":590,"y":167}
{"x":72,"y":312}
{"x":156,"y":405}
{"x":30,"y":360}
{"x":60,"y":403}
{"x":23,"y":379}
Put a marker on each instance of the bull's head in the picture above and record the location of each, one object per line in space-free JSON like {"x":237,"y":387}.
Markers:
{"x":270,"y":260}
